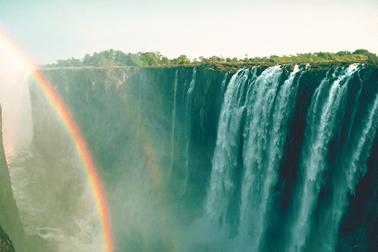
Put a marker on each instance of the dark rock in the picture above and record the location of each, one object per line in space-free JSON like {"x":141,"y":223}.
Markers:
{"x":9,"y":217}
{"x":5,"y":243}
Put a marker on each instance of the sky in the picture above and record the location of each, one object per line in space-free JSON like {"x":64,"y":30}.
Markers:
{"x":51,"y":30}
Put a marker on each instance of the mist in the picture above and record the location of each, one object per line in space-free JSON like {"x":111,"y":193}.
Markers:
{"x":15,"y":103}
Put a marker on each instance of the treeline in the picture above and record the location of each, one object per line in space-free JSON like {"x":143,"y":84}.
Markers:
{"x":147,"y":59}
{"x":118,"y":58}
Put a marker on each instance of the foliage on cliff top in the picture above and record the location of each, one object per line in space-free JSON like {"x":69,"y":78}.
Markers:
{"x":111,"y":58}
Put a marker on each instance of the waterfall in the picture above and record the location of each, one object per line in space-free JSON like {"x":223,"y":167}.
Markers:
{"x":267,"y":129}
{"x":173,"y":125}
{"x":354,"y":166}
{"x":259,"y":159}
{"x":249,"y":105}
{"x":224,"y":82}
{"x":188,"y":116}
{"x":253,"y":130}
{"x":321,"y":123}
{"x":227,"y":145}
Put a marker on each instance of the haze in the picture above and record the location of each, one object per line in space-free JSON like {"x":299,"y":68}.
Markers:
{"x":52,"y":30}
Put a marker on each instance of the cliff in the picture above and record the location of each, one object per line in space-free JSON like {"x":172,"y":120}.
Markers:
{"x":5,"y":243}
{"x":168,"y":158}
{"x":11,"y":229}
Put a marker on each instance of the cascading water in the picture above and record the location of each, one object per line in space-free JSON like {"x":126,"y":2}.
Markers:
{"x":188,"y":116}
{"x":282,"y":100}
{"x":173,"y":125}
{"x":261,"y":159}
{"x":252,"y":134}
{"x":322,"y":121}
{"x":355,"y":154}
{"x":250,"y":102}
{"x":221,"y":187}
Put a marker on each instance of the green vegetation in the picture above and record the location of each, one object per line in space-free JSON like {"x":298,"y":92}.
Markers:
{"x":155,"y":59}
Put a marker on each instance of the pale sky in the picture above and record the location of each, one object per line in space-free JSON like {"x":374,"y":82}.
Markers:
{"x":51,"y":30}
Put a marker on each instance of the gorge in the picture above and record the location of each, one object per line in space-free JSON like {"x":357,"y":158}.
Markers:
{"x":262,"y":158}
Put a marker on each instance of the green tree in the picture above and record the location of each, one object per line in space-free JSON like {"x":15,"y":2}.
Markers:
{"x":181,"y":60}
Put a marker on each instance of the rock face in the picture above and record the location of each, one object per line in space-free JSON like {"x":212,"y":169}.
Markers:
{"x":262,"y":158}
{"x":148,"y":109}
{"x":149,"y":128}
{"x":5,"y":243}
{"x":9,"y":218}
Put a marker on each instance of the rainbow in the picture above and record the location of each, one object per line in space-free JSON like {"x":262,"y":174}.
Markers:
{"x":7,"y":43}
